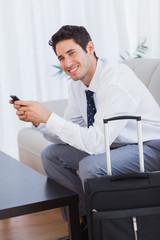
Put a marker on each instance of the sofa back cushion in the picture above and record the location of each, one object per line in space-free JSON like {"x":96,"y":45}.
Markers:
{"x":148,"y":70}
{"x":57,"y":106}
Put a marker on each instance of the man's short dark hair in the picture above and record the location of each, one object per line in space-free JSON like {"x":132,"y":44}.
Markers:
{"x":78,"y":33}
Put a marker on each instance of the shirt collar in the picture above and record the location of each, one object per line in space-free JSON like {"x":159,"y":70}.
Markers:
{"x":94,"y":82}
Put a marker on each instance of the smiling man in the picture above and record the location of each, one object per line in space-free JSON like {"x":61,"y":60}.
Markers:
{"x":98,"y":89}
{"x":76,"y":63}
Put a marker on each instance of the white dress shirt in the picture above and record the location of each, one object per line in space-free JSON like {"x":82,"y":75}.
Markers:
{"x":116,"y":90}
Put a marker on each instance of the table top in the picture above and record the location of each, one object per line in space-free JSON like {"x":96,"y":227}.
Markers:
{"x":23,"y":190}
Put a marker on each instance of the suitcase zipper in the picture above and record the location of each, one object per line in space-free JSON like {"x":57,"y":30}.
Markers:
{"x":94,"y":210}
{"x":134,"y":219}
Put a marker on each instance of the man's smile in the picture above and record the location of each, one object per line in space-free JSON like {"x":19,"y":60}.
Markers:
{"x":73,"y":69}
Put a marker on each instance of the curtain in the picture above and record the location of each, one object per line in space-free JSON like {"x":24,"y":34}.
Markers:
{"x":26,"y":59}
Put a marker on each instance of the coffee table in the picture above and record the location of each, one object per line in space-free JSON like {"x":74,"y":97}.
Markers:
{"x":24,"y":191}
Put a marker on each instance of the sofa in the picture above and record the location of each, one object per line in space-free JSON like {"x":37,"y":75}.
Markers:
{"x":31,"y":142}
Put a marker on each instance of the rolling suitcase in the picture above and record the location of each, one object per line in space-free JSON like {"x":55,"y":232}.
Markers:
{"x":124,"y":206}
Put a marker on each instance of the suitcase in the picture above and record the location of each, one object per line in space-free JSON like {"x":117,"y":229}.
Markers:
{"x":124,"y":206}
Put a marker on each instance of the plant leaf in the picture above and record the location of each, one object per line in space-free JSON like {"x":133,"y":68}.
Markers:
{"x":140,"y":50}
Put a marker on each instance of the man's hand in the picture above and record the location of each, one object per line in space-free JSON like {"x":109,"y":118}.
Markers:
{"x":31,"y":111}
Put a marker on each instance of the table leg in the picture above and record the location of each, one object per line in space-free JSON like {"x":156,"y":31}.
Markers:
{"x":73,"y":222}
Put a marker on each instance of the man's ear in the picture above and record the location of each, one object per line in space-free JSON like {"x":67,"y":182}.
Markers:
{"x":90,"y":47}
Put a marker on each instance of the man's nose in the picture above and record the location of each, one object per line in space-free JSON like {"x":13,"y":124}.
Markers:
{"x":68,"y":62}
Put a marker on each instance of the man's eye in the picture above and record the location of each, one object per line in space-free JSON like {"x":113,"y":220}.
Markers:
{"x":71,"y":53}
{"x":60,"y":59}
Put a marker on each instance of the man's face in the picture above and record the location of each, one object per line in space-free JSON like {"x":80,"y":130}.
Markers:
{"x":77,"y":63}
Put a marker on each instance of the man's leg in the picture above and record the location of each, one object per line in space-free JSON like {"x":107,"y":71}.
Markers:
{"x":123,"y":160}
{"x":61,"y":163}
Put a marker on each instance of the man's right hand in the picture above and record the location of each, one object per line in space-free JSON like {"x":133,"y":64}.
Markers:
{"x":31,"y":111}
{"x":21,"y":113}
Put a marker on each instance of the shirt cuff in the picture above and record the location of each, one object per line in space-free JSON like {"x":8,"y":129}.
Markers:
{"x":40,"y":126}
{"x":55,"y":124}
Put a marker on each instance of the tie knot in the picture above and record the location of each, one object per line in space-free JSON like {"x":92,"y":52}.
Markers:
{"x":89,"y":94}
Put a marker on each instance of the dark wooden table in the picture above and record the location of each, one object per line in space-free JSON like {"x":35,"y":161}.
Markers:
{"x":24,"y":191}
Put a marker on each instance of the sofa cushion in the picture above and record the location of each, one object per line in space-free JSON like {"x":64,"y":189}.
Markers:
{"x":148,"y":70}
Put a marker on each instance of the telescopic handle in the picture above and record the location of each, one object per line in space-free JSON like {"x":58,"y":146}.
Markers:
{"x":139,"y":136}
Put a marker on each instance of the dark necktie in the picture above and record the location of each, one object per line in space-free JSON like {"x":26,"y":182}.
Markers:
{"x":91,"y":109}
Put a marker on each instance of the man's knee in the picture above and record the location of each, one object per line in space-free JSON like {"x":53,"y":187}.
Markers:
{"x":43,"y":154}
{"x":83,"y":169}
{"x":86,"y":168}
{"x":47,"y":154}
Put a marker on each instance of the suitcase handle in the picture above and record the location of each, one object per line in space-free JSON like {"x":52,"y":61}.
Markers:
{"x":139,"y":134}
{"x":127,"y":176}
{"x":122,"y":117}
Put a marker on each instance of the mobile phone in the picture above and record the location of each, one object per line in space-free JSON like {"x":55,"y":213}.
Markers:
{"x":14,"y":98}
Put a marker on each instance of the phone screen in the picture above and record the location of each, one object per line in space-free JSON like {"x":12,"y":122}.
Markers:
{"x":14,"y":98}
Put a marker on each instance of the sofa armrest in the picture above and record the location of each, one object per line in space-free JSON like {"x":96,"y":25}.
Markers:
{"x":31,"y":142}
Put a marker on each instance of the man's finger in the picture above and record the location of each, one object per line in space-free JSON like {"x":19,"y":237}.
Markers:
{"x":24,"y":103}
{"x":20,"y":113}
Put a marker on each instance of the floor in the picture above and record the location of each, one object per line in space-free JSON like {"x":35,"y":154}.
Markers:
{"x":47,"y":225}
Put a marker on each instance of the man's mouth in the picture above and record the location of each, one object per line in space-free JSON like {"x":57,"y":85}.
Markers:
{"x":72,"y":70}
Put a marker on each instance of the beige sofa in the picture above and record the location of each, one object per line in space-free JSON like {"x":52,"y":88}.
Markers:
{"x":31,"y":141}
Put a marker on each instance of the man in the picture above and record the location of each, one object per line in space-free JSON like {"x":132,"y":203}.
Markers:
{"x":109,"y":89}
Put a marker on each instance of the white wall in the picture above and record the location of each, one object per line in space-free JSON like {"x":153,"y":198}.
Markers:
{"x":26,"y":59}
